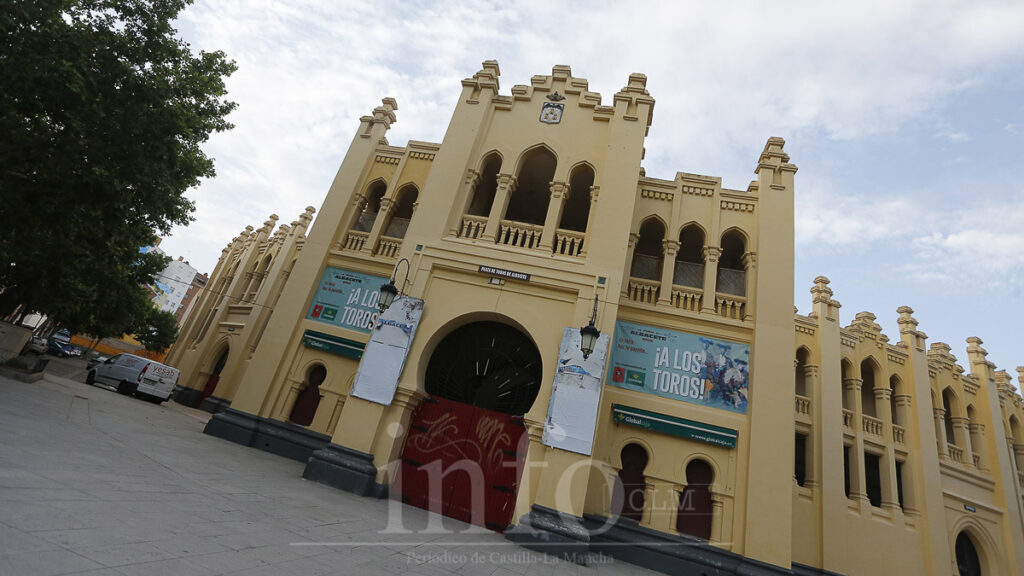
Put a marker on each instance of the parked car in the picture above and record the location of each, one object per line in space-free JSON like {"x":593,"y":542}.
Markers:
{"x":94,"y":361}
{"x":133,"y":374}
{"x":36,"y":345}
{"x":58,"y":348}
{"x":62,"y":336}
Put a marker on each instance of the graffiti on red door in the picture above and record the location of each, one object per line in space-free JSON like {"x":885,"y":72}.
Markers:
{"x":462,"y":461}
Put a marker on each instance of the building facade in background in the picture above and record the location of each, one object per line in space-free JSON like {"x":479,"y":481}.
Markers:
{"x":708,"y":427}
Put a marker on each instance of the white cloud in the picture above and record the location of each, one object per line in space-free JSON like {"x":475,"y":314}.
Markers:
{"x":725,"y":76}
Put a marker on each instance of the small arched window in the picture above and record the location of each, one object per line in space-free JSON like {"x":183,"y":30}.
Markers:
{"x":487,"y":187}
{"x":529,"y":201}
{"x":801,"y":372}
{"x":695,"y":509}
{"x":631,"y":483}
{"x":308,"y":399}
{"x":370,"y":207}
{"x":948,"y":402}
{"x":867,"y":388}
{"x":405,"y":203}
{"x":895,"y":389}
{"x":577,"y":208}
{"x":648,"y":253}
{"x":689,"y":270}
{"x":731,"y":272}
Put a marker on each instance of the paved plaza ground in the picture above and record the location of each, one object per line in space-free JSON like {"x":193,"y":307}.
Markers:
{"x":93,"y":482}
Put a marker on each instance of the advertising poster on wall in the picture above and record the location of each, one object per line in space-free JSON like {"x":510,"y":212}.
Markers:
{"x":385,"y":353}
{"x":575,"y":395}
{"x":347,"y":300}
{"x":681,"y":366}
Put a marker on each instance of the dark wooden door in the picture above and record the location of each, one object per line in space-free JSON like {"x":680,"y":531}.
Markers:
{"x":462,"y":461}
{"x":694,"y":517}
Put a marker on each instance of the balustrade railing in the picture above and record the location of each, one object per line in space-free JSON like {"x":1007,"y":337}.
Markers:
{"x":977,"y":461}
{"x":956,"y":453}
{"x":687,"y":298}
{"x":389,"y":247}
{"x":847,"y":418}
{"x":729,"y":306}
{"x":568,"y":242}
{"x":871,"y":425}
{"x":519,"y":234}
{"x":472,"y":227}
{"x":354,"y":241}
{"x":898,"y":434}
{"x":803,"y":405}
{"x":1020,"y":478}
{"x":644,"y":291}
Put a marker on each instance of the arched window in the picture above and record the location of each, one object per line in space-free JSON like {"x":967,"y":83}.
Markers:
{"x":577,"y":207}
{"x":867,"y":388}
{"x":694,"y":516}
{"x":847,"y":370}
{"x":689,"y":270}
{"x":370,"y":207}
{"x":731,"y":273}
{"x":948,"y":402}
{"x":801,"y":372}
{"x":648,"y":253}
{"x":896,"y":389}
{"x":309,"y":397}
{"x":1018,"y":440}
{"x":404,"y":204}
{"x":529,"y":201}
{"x":483,"y":193}
{"x":631,"y":483}
{"x":258,"y":276}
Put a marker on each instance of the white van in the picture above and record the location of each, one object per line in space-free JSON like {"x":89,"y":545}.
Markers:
{"x":134,"y":374}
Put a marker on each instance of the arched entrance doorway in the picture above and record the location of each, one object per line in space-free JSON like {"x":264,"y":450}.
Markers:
{"x":211,"y":382}
{"x":462,"y":453}
{"x":967,"y":560}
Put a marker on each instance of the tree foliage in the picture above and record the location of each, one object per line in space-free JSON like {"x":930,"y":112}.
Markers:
{"x":157,"y":330}
{"x":103,"y":111}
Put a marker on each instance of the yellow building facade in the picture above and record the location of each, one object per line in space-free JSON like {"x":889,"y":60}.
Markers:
{"x":709,"y":428}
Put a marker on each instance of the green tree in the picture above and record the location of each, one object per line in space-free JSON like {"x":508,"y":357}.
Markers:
{"x":102,"y":111}
{"x":158,"y":329}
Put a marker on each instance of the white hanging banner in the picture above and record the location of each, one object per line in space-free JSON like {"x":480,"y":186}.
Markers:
{"x":575,"y":395}
{"x":385,"y":353}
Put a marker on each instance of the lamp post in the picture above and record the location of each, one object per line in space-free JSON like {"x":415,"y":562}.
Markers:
{"x":589,"y":334}
{"x":389,"y":291}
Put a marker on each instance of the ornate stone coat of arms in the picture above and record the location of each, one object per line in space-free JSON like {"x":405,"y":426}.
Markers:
{"x":551,"y":112}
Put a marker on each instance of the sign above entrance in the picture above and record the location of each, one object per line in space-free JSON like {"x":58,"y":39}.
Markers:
{"x":347,"y":300}
{"x":505,"y":273}
{"x":680,"y":427}
{"x":680,"y":366}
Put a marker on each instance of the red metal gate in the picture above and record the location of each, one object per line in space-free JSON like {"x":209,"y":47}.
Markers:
{"x":462,"y":461}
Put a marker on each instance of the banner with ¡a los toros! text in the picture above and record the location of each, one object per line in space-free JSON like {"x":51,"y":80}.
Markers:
{"x":347,"y":299}
{"x":680,"y":366}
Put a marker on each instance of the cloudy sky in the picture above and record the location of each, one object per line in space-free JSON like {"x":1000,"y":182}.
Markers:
{"x":906,"y":120}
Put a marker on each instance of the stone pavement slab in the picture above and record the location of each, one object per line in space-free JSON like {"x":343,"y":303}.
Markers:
{"x":96,"y":483}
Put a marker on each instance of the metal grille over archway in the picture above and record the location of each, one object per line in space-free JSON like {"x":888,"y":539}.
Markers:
{"x":488,"y":365}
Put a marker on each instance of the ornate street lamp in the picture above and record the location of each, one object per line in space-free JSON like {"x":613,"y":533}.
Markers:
{"x":589,"y":334}
{"x":389,"y":291}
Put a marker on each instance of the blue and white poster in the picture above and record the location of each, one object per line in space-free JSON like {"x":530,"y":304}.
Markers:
{"x":575,"y":395}
{"x":680,"y":366}
{"x":347,"y":299}
{"x":384,"y":356}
